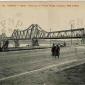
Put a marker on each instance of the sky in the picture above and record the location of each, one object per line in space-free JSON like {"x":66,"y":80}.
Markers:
{"x":49,"y":15}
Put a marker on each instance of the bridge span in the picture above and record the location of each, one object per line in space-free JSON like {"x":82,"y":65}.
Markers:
{"x":35,"y":32}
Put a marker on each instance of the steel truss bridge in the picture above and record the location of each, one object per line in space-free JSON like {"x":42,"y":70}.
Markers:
{"x":35,"y":31}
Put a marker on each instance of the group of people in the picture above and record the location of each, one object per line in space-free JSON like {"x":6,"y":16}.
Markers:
{"x":55,"y":50}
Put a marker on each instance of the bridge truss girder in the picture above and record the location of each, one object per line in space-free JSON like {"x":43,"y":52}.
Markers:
{"x":35,"y":31}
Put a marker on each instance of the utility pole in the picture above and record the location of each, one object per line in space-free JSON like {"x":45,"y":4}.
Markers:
{"x":50,"y":37}
{"x":71,"y":33}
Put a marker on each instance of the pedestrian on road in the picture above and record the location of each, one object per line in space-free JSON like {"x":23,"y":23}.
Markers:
{"x":57,"y":51}
{"x":53,"y":50}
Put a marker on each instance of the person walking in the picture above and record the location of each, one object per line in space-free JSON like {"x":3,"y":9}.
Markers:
{"x":53,"y":50}
{"x":57,"y":51}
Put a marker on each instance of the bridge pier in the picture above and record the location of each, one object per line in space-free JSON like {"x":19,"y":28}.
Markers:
{"x":16,"y":43}
{"x":83,"y":40}
{"x":35,"y":42}
{"x":0,"y":44}
{"x":4,"y":46}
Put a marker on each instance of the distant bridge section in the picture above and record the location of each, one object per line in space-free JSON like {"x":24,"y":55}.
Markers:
{"x":67,"y":34}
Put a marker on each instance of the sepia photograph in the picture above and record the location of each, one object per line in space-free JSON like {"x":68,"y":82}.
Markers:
{"x":42,"y":42}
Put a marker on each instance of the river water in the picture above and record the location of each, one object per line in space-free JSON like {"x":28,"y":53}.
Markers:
{"x":48,"y":42}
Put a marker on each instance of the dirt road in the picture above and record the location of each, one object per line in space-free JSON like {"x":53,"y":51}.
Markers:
{"x":15,"y":66}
